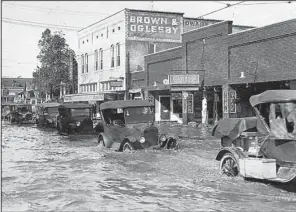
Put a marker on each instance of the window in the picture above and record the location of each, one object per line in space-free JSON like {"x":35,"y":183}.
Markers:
{"x":97,"y":36}
{"x":112,"y":56}
{"x":90,"y":89}
{"x":87,"y":88}
{"x":151,"y":48}
{"x":117,"y":54}
{"x":113,"y":30}
{"x":96,"y":59}
{"x":86,"y":63}
{"x":118,"y":28}
{"x":101,"y":58}
{"x":82,"y":63}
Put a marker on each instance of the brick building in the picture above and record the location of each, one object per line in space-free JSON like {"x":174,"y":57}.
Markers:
{"x":232,"y":66}
{"x":111,"y":51}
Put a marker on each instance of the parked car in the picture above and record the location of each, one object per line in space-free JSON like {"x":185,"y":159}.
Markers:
{"x":129,"y":125}
{"x":20,"y":114}
{"x":46,"y":114}
{"x":75,"y":118}
{"x":261,"y":147}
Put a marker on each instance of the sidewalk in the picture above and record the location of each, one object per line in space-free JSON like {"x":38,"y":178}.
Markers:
{"x":185,"y":131}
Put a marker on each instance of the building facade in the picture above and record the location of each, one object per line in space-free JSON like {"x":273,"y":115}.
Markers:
{"x":213,"y":73}
{"x":111,"y":51}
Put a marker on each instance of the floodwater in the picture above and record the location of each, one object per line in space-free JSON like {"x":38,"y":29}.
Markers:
{"x":43,"y":171}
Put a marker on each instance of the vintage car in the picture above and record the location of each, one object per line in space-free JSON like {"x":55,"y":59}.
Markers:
{"x":129,"y":125}
{"x":20,"y":114}
{"x":46,"y":114}
{"x":75,"y":118}
{"x":261,"y":147}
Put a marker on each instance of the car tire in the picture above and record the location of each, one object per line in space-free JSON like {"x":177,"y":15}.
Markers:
{"x":101,"y":141}
{"x":128,"y":146}
{"x":229,"y":165}
{"x":172,"y":144}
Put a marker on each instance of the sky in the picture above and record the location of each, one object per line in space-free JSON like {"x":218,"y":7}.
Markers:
{"x":20,"y":40}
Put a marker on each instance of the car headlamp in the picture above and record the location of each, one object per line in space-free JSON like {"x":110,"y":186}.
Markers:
{"x":142,"y":140}
{"x":78,"y":123}
{"x":162,"y":138}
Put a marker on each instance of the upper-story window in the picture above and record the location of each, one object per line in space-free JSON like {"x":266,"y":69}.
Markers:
{"x":118,"y":54}
{"x":112,"y":55}
{"x":96,"y":59}
{"x":151,"y":48}
{"x":101,"y":58}
{"x":86,"y":63}
{"x":82,"y":63}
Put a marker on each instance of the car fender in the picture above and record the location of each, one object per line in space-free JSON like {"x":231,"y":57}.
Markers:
{"x":107,"y":141}
{"x":236,"y":152}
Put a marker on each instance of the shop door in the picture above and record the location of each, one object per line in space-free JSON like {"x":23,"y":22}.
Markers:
{"x":165,"y":107}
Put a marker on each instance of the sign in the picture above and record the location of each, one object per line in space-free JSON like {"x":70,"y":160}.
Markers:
{"x":154,"y":25}
{"x":225,"y":102}
{"x":184,"y":79}
{"x":116,"y":83}
{"x":232,"y":105}
{"x":190,"y":103}
{"x":190,"y":24}
{"x":185,"y":105}
{"x":86,"y":97}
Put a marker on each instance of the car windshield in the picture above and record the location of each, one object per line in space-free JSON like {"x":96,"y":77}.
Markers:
{"x":139,"y":114}
{"x":23,"y":109}
{"x":280,"y":117}
{"x":80,"y":112}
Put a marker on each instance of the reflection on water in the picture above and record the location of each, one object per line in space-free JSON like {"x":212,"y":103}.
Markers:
{"x":43,"y":171}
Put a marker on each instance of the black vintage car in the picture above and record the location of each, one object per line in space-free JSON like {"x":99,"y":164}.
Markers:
{"x":46,"y":114}
{"x":75,"y":118}
{"x":20,"y":114}
{"x":129,"y":125}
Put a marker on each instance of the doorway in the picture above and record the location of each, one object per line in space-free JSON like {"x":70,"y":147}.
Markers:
{"x":165,"y":108}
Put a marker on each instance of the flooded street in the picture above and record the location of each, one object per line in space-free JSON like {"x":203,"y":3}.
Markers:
{"x":43,"y":171}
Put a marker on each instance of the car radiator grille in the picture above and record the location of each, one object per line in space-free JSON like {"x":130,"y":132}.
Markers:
{"x":151,"y":135}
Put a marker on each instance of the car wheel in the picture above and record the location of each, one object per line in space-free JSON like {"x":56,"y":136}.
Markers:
{"x":70,"y":130}
{"x":172,"y":144}
{"x":229,"y":165}
{"x":101,"y":141}
{"x":128,"y":146}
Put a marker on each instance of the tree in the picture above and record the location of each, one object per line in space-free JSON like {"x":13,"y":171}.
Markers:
{"x":54,"y":67}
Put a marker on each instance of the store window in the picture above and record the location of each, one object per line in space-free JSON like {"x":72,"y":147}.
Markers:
{"x":112,"y":56}
{"x":177,"y":103}
{"x":117,"y":54}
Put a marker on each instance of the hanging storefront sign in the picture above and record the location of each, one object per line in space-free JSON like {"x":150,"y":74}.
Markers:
{"x":225,"y":101}
{"x":85,"y":97}
{"x":190,"y":103}
{"x":184,"y":79}
{"x":154,"y":25}
{"x":185,"y":105}
{"x":176,"y":96}
{"x":232,"y":105}
{"x":116,"y":83}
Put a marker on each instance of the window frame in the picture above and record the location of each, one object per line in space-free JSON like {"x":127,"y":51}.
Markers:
{"x":96,"y":56}
{"x":112,"y":56}
{"x":82,"y":63}
{"x":86,"y":63}
{"x":101,"y":58}
{"x":117,"y":55}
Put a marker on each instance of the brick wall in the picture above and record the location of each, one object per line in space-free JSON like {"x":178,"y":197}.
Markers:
{"x":137,"y":50}
{"x":268,"y":52}
{"x":160,"y":65}
{"x":210,"y":54}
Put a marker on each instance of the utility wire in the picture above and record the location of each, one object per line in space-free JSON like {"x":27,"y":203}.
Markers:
{"x":231,"y":5}
{"x":72,"y":12}
{"x":257,"y":3}
{"x":221,"y":2}
{"x":38,"y":24}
